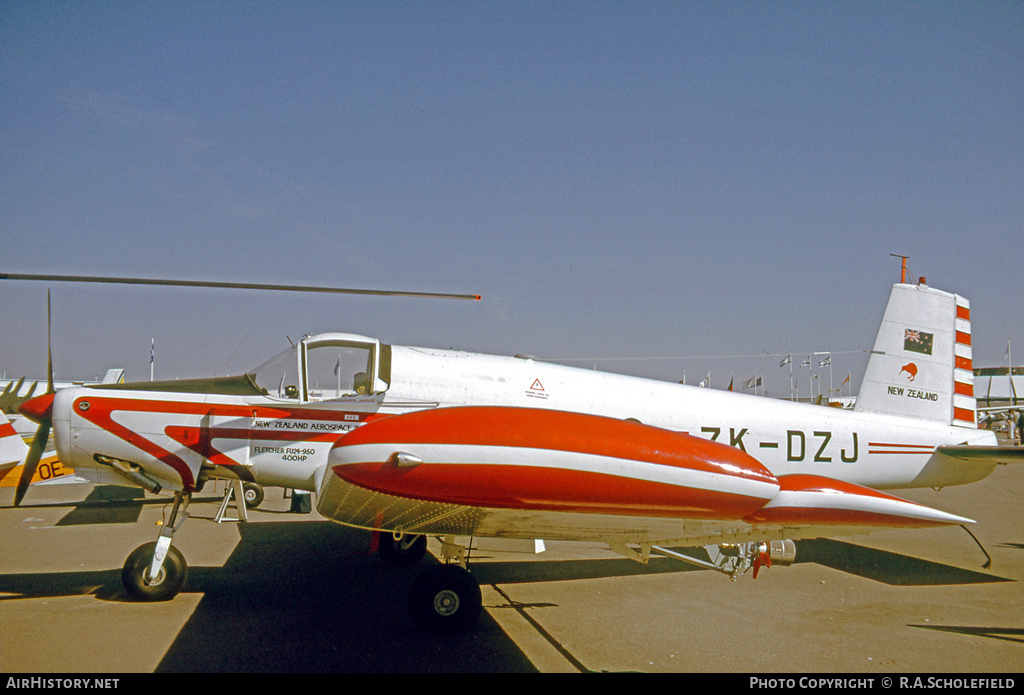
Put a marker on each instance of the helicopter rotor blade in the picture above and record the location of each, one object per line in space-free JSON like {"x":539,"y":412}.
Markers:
{"x":235,"y":285}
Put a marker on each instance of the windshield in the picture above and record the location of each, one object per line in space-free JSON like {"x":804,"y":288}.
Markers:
{"x":335,"y":365}
{"x":279,"y":374}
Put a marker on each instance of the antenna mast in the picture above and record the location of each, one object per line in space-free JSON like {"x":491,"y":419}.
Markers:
{"x":903,"y":273}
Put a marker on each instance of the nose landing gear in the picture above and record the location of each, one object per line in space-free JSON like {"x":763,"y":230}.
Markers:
{"x":157,"y":571}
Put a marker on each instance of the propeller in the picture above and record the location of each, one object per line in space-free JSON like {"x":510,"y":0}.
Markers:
{"x":38,"y":409}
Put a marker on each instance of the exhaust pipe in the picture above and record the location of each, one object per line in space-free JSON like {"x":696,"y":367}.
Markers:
{"x":133,"y":474}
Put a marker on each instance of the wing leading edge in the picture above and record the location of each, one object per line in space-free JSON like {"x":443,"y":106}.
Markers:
{"x":530,"y":473}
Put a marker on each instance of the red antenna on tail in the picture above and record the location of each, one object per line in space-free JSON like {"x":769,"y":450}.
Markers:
{"x":903,"y":274}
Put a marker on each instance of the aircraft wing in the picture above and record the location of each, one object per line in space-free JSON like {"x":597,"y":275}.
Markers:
{"x":531,"y":473}
{"x":817,"y":507}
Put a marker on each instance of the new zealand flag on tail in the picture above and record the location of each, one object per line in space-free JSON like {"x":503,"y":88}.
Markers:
{"x":918,"y":341}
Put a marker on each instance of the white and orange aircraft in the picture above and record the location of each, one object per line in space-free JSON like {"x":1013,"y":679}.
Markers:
{"x":414,"y":442}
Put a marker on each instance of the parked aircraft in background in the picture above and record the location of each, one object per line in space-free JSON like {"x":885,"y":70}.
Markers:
{"x":15,"y":392}
{"x":410,"y":442}
{"x":13,"y":451}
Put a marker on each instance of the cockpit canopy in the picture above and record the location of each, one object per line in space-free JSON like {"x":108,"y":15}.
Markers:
{"x":327,"y":366}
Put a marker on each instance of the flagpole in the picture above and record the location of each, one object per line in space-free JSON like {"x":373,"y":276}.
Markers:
{"x":1009,"y":371}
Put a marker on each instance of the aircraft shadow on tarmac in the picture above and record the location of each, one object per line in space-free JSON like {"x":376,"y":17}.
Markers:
{"x":1009,"y":634}
{"x":886,"y":567}
{"x":309,"y":597}
{"x":108,"y":504}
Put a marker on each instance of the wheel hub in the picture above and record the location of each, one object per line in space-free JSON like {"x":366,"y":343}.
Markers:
{"x":446,"y":602}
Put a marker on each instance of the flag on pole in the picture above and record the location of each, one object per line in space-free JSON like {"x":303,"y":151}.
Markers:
{"x":730,"y":383}
{"x":706,"y":381}
{"x":807,"y":362}
{"x":786,"y":360}
{"x":825,"y":362}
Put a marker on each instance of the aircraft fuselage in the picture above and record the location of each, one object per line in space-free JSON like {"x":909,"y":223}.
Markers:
{"x":179,"y":439}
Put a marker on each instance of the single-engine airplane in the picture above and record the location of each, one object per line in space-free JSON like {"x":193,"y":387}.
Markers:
{"x":412,"y":442}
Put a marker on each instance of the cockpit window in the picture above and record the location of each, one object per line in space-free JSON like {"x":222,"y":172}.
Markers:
{"x":279,"y":375}
{"x":322,"y":367}
{"x":337,"y":369}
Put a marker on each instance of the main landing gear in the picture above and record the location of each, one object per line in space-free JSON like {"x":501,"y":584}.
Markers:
{"x":443,"y":598}
{"x":157,"y":571}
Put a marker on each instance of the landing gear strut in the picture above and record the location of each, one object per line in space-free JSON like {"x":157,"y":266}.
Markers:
{"x":157,"y":571}
{"x":401,"y":549}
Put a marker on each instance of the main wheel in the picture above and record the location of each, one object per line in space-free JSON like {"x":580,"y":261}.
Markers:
{"x":445,"y":598}
{"x":405,"y":551}
{"x":253,"y":495}
{"x":167,"y":583}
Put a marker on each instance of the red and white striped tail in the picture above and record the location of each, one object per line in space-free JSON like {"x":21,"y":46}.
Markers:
{"x":921,"y":364}
{"x":964,"y":404}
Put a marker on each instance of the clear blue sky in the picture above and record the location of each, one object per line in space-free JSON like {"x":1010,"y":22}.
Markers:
{"x":617,"y":179}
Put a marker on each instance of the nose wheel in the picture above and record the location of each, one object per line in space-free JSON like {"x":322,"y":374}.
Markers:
{"x":157,"y":571}
{"x":164,"y":585}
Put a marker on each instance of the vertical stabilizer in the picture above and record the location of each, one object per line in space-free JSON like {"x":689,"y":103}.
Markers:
{"x":921,"y":364}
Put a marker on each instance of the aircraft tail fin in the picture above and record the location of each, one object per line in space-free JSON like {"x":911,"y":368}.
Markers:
{"x":12,"y":447}
{"x":921,"y":364}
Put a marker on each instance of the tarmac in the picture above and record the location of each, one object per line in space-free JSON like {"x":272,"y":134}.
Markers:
{"x":294,"y":593}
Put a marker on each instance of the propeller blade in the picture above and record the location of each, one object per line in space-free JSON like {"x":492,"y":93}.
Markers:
{"x":35,"y":453}
{"x":234,"y":285}
{"x":49,"y":354}
{"x":41,"y":410}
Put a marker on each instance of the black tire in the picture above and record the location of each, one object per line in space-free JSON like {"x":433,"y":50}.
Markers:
{"x":168,"y":582}
{"x":405,"y":552}
{"x":253,"y":495}
{"x":445,"y":599}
